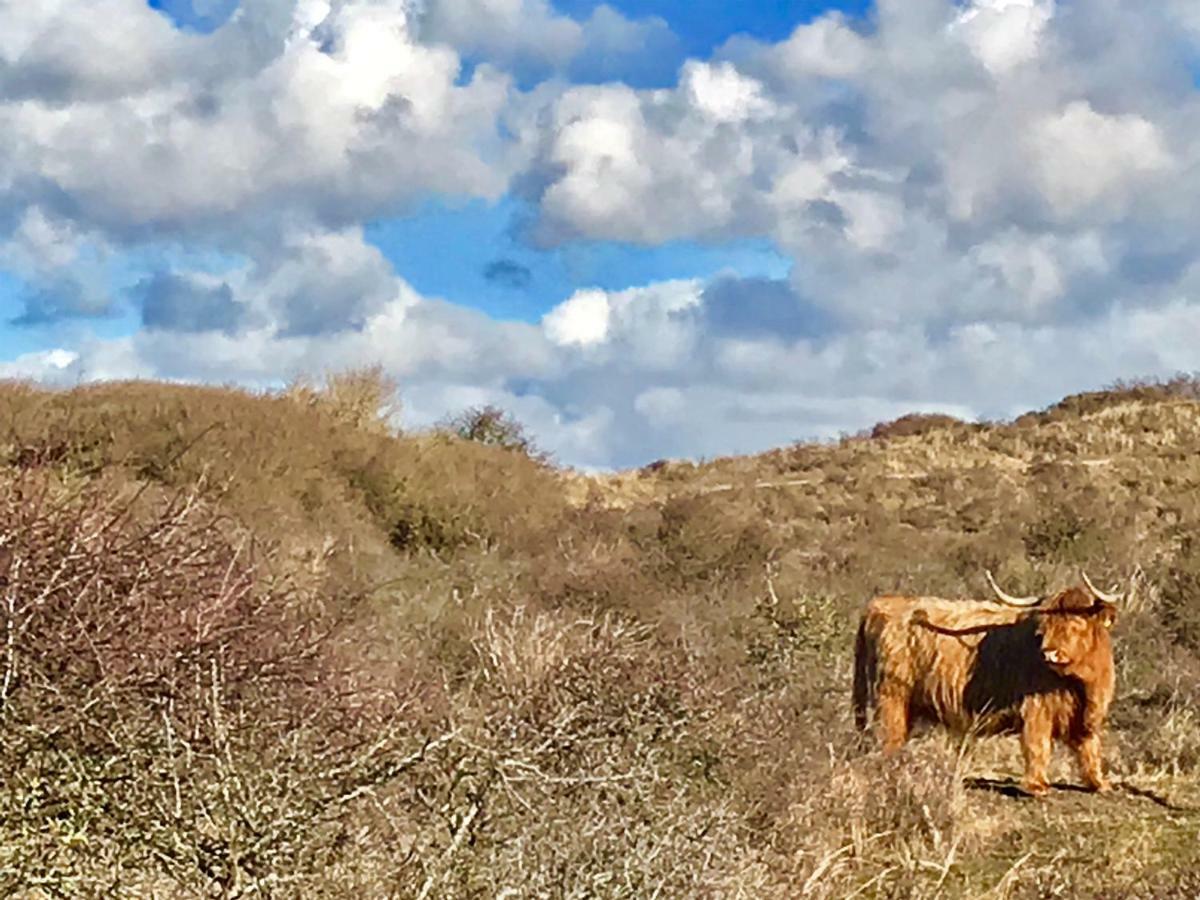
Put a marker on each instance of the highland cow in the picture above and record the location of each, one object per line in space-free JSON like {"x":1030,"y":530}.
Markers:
{"x":1042,"y":669}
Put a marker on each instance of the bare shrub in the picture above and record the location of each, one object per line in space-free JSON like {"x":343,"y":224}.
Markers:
{"x":166,"y":706}
{"x":1181,"y":385}
{"x":915,"y":424}
{"x":1178,"y":591}
{"x":567,"y":777}
{"x":891,"y":827}
{"x":1148,"y":390}
{"x":1062,"y":533}
{"x":366,"y":398}
{"x":493,"y":427}
{"x":1173,"y":743}
{"x":705,"y":539}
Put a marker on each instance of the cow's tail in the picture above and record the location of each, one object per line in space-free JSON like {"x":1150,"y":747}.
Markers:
{"x":864,"y":677}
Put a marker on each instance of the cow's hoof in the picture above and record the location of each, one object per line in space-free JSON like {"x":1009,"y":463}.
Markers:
{"x":1035,"y":788}
{"x":1100,"y":787}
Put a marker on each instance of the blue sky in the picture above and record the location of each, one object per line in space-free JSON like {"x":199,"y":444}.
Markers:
{"x":474,"y":253}
{"x":647,"y":229}
{"x":701,"y":25}
{"x":198,"y":15}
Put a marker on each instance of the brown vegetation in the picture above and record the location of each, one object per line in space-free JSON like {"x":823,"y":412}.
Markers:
{"x":265,"y":646}
{"x":915,"y":424}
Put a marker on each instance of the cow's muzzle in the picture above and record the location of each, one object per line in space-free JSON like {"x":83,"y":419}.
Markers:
{"x":1055,"y":657}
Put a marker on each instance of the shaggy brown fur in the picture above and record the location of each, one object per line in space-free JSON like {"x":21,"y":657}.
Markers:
{"x":1045,"y":673}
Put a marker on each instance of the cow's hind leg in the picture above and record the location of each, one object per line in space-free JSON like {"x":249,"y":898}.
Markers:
{"x":893,"y":716}
{"x":1087,"y":749}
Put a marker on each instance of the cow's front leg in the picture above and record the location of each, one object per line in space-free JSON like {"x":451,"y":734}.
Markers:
{"x":893,"y":715}
{"x":1036,"y":736}
{"x":1091,"y":763}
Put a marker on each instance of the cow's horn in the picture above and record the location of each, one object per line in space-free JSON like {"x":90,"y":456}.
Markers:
{"x":1009,"y":598}
{"x":1099,"y":594}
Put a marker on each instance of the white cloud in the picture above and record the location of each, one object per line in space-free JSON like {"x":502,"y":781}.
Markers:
{"x":662,"y":407}
{"x":1034,"y":272}
{"x":532,"y":39}
{"x":581,"y":320}
{"x":827,"y":48}
{"x":42,"y":242}
{"x":723,"y":94}
{"x":57,"y":366}
{"x":330,"y":111}
{"x":507,"y":31}
{"x":986,"y":205}
{"x":1004,"y":33}
{"x":63,"y":51}
{"x":600,"y":143}
{"x":872,"y":218}
{"x":944,"y":163}
{"x":1083,"y":156}
{"x":650,"y":166}
{"x":323,"y":282}
{"x":615,"y":47}
{"x":650,"y":327}
{"x":66,"y":269}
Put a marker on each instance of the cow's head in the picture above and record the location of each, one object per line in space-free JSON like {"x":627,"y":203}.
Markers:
{"x":1074,"y":623}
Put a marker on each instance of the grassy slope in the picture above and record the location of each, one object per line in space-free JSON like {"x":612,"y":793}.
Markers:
{"x":1107,"y":481}
{"x":639,"y":683}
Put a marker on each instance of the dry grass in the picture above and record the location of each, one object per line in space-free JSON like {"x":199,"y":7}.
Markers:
{"x":267,"y":646}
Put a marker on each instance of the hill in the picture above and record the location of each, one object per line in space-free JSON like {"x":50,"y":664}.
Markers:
{"x":262,"y":646}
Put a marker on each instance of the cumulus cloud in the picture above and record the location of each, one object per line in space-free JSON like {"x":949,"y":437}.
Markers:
{"x":58,"y":52}
{"x":320,"y":111}
{"x":650,"y":328}
{"x":985,"y":204}
{"x":656,"y":165}
{"x":182,"y":302}
{"x":631,"y":50}
{"x":761,"y":308}
{"x":534,"y":40}
{"x":58,"y":367}
{"x":581,"y":321}
{"x":1004,"y":33}
{"x":64,"y":267}
{"x":320,"y":283}
{"x":944,"y":163}
{"x":423,"y":341}
{"x":722,"y":94}
{"x":309,"y":282}
{"x":828,"y":47}
{"x":1084,"y":157}
{"x":507,"y":31}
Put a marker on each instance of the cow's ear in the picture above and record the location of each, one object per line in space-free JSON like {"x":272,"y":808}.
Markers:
{"x":1108,"y":616}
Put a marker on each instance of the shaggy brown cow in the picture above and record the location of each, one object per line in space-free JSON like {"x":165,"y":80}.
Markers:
{"x":1040,"y":668}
